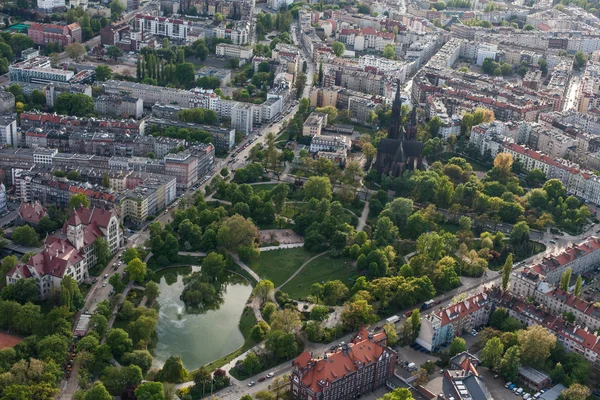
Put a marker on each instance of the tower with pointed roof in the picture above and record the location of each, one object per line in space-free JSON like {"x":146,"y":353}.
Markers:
{"x":75,"y":230}
{"x":396,"y":130}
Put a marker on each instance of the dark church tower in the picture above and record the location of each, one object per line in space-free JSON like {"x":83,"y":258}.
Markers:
{"x":395,"y":131}
{"x":411,"y":129}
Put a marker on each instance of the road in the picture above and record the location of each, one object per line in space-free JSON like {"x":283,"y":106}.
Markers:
{"x":572,"y":97}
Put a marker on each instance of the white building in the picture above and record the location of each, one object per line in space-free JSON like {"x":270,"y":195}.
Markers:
{"x":329,"y":143}
{"x":8,"y":131}
{"x":44,"y":156}
{"x":49,"y":5}
{"x":234,"y":51}
{"x":242,"y":117}
{"x":486,"y":51}
{"x":160,"y":26}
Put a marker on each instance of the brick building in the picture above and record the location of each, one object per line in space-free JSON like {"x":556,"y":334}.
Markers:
{"x":354,"y":369}
{"x":43,"y":34}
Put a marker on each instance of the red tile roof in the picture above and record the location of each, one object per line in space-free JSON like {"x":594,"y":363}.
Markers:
{"x":465,"y":307}
{"x":361,"y":351}
{"x":32,"y":212}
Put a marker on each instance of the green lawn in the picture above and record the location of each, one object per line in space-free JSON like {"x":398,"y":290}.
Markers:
{"x":263,"y":186}
{"x":322,"y":269}
{"x":279,"y":265}
{"x":285,"y":136}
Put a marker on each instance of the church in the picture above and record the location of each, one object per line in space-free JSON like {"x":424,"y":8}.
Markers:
{"x":400,"y":151}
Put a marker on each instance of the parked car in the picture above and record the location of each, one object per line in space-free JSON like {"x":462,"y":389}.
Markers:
{"x":261,"y":379}
{"x":105,"y":276}
{"x":104,"y":284}
{"x":252,"y":384}
{"x":270,"y":374}
{"x":526,"y":396}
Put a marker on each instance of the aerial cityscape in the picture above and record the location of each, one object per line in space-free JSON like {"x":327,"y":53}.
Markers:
{"x":302,"y":200}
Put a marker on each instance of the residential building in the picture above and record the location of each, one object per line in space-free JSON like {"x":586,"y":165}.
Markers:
{"x":242,"y":117}
{"x":73,"y":255}
{"x":314,"y":124}
{"x":29,"y":53}
{"x":7,"y":102}
{"x":30,"y":213}
{"x":184,"y":166}
{"x":150,"y":196}
{"x":356,"y":369}
{"x":441,"y":327}
{"x":224,"y":137}
{"x":234,"y":51}
{"x":148,"y":93}
{"x":64,"y":35}
{"x":43,"y":155}
{"x":49,"y":5}
{"x":161,"y":26}
{"x":3,"y":205}
{"x":8,"y":131}
{"x":329,"y":143}
{"x":119,"y":106}
{"x":114,"y":33}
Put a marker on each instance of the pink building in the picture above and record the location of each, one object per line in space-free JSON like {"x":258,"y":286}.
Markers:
{"x":43,"y":34}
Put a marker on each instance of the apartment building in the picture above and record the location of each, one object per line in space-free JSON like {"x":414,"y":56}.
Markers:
{"x":224,"y":138}
{"x":64,"y":35}
{"x":8,"y":131}
{"x":119,"y":106}
{"x":356,"y":369}
{"x":234,"y":51}
{"x":149,"y":197}
{"x":314,"y":124}
{"x":149,"y":94}
{"x":441,"y":327}
{"x":171,"y":28}
{"x":184,"y":167}
{"x":50,"y":5}
{"x":328,"y":143}
{"x":366,"y":38}
{"x":242,"y":117}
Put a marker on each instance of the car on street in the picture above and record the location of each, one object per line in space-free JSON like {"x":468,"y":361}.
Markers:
{"x":105,"y":276}
{"x":251,"y":384}
{"x":261,"y":379}
{"x":508,"y":384}
{"x":270,"y":374}
{"x":104,"y":284}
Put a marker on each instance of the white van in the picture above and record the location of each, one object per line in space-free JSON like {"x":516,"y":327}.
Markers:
{"x":519,"y":391}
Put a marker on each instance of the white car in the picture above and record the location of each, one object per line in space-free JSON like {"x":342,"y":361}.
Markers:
{"x":270,"y":374}
{"x":104,"y":284}
{"x":526,"y":396}
{"x":251,"y":384}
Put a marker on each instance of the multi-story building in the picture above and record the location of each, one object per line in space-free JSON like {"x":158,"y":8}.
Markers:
{"x":356,"y":369}
{"x":239,"y":33}
{"x":64,"y":35}
{"x":234,"y":51}
{"x":224,"y":138}
{"x":148,"y":93}
{"x":119,"y":106}
{"x":152,"y":195}
{"x":329,"y":143}
{"x":314,"y":124}
{"x":184,"y":166}
{"x":242,"y":117}
{"x":161,"y":26}
{"x":49,"y":5}
{"x":8,"y":131}
{"x":7,"y":102}
{"x":30,"y":213}
{"x":115,"y":33}
{"x":73,"y":255}
{"x":441,"y":327}
{"x":38,"y":70}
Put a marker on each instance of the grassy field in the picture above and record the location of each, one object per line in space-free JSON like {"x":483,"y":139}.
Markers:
{"x":279,"y":265}
{"x":263,"y":186}
{"x":321,"y":269}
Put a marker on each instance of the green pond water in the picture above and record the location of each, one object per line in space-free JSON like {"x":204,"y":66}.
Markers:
{"x":198,"y":338}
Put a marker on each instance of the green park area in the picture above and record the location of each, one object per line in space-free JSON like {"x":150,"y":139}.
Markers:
{"x":278,"y":265}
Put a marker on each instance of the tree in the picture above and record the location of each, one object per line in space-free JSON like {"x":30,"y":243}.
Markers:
{"x":492,"y":353}
{"x":510,"y":364}
{"x":98,"y":391}
{"x":392,"y":335}
{"x":129,"y":254}
{"x":103,"y":73}
{"x":119,"y":342}
{"x":79,"y":200}
{"x":173,"y":371}
{"x":357,"y":313}
{"x":334,"y":292}
{"x":389,"y":52}
{"x":520,"y":233}
{"x":8,"y":263}
{"x":506,"y":271}
{"x":116,"y":9}
{"x":114,"y":52}
{"x":141,"y":358}
{"x":415,"y":321}
{"x":25,"y":235}
{"x":457,"y":346}
{"x":317,"y":187}
{"x":285,"y":320}
{"x":398,"y":394}
{"x":106,"y":181}
{"x":53,"y":347}
{"x":136,"y":270}
{"x":369,"y":152}
{"x":102,"y":252}
{"x":150,"y":391}
{"x":236,"y":231}
{"x":580,"y":60}
{"x":338,"y":48}
{"x":75,"y":51}
{"x":578,"y":285}
{"x":282,"y":345}
{"x":316,"y":290}
{"x":70,"y":295}
{"x":565,"y":279}
{"x":536,"y":344}
{"x":117,"y":379}
{"x":186,"y":74}
{"x":151,"y":291}
{"x":260,"y":331}
{"x":251,"y":364}
{"x":263,"y":290}
{"x":576,"y":392}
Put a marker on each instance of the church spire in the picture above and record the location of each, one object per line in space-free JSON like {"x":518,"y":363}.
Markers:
{"x":395,"y":131}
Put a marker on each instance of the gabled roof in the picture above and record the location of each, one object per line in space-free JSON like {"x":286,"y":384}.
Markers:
{"x":32,"y":212}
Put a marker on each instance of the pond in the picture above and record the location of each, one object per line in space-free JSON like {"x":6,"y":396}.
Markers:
{"x":198,"y":338}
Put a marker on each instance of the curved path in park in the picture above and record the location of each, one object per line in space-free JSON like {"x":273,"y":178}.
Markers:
{"x":300,"y":269}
